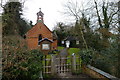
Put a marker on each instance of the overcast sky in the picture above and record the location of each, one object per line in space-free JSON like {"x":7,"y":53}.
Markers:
{"x":52,"y":9}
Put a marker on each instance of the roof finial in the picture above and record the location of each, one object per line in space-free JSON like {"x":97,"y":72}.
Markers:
{"x":40,"y":9}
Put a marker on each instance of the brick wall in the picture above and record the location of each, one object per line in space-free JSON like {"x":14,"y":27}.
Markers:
{"x":32,"y":43}
{"x":32,"y":35}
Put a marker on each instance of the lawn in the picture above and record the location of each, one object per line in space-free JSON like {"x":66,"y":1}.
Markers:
{"x":78,"y":59}
{"x":73,"y":50}
{"x":60,"y":48}
{"x":70,"y":52}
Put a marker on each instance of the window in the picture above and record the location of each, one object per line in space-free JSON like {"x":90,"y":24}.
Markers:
{"x":77,"y":42}
{"x":39,"y":38}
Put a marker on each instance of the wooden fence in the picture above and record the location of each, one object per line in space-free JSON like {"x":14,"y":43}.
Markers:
{"x":61,"y":64}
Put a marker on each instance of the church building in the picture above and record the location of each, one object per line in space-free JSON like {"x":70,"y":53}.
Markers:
{"x":40,"y":36}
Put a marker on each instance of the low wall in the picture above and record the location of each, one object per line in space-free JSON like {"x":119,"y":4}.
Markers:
{"x":96,"y":73}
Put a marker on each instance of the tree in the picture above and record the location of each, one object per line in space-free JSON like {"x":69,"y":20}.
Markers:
{"x":61,"y":32}
{"x":74,"y":10}
{"x":12,"y":21}
{"x":99,"y":34}
{"x":119,"y":16}
{"x":106,"y":21}
{"x":11,"y":15}
{"x":31,"y":23}
{"x":5,"y":1}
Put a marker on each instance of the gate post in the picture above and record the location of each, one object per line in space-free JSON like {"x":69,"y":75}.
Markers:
{"x":73,"y":63}
{"x":53,"y":66}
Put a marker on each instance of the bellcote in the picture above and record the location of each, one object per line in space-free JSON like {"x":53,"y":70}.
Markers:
{"x":40,"y":16}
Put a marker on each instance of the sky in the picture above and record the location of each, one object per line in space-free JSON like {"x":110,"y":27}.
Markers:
{"x":52,"y":10}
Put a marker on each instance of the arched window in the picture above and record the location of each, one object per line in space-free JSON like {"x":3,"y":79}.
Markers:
{"x":39,"y":38}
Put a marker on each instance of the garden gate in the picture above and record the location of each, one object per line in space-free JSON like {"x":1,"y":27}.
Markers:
{"x":61,"y":64}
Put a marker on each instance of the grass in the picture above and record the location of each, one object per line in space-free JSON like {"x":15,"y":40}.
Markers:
{"x":60,"y":48}
{"x":49,"y":56}
{"x":73,"y":50}
{"x":70,"y":51}
{"x":78,"y":60}
{"x":48,"y":61}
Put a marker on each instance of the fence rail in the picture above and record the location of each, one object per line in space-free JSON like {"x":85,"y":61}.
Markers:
{"x":58,"y":64}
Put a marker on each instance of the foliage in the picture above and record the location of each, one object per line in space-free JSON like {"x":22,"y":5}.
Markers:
{"x":106,"y":20}
{"x":12,"y":21}
{"x":31,"y":24}
{"x":62,"y":32}
{"x":34,"y":65}
{"x":18,"y":62}
{"x":54,"y":52}
{"x":94,"y":41}
{"x":80,"y":27}
{"x":97,"y":30}
{"x":86,"y":56}
{"x":108,"y":60}
{"x":24,"y":26}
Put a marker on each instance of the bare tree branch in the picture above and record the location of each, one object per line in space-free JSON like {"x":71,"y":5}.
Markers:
{"x":74,"y":10}
{"x":99,"y":19}
{"x":111,"y":16}
{"x":1,"y":4}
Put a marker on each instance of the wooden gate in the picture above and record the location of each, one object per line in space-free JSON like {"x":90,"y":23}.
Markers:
{"x":62,"y":64}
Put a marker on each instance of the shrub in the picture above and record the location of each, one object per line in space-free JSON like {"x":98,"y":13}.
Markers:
{"x":108,"y":60}
{"x":86,"y":56}
{"x":18,"y":62}
{"x":34,"y":65}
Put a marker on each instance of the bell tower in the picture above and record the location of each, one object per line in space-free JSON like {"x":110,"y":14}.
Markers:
{"x":40,"y":16}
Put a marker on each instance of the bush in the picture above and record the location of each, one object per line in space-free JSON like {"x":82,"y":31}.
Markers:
{"x":18,"y":62}
{"x":34,"y":65}
{"x":28,"y":69}
{"x":108,"y":60}
{"x":86,"y":56}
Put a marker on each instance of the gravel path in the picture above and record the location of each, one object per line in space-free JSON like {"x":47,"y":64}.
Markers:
{"x":64,"y":52}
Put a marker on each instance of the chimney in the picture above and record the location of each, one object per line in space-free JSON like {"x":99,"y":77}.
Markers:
{"x":40,"y":16}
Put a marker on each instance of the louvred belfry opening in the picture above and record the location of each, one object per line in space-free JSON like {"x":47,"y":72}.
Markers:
{"x":40,"y":16}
